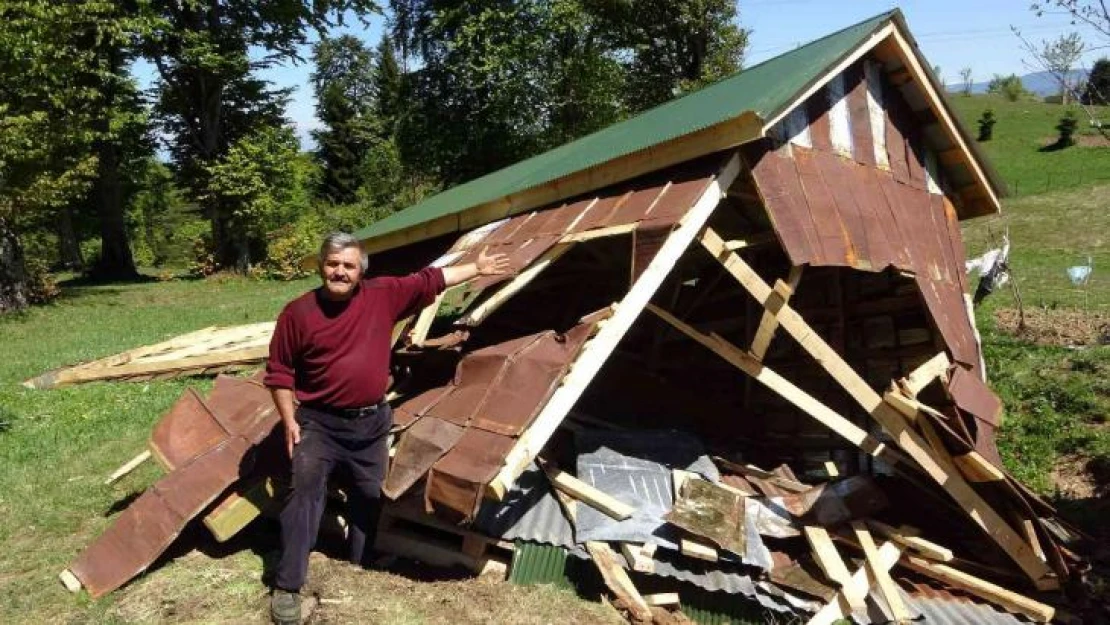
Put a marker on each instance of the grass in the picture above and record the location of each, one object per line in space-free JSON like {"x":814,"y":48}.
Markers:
{"x":1024,"y":128}
{"x":57,"y":446}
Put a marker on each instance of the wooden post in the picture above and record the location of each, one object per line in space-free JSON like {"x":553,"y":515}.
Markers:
{"x":128,"y":467}
{"x":769,"y":323}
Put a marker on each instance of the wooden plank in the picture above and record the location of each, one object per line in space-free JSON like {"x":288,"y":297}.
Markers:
{"x":250,"y":354}
{"x":596,"y":352}
{"x":697,"y":549}
{"x":828,"y":558}
{"x":517,"y":284}
{"x":981,"y":588}
{"x":753,"y":471}
{"x":69,"y":580}
{"x":881,"y":573}
{"x":926,"y":548}
{"x":599,"y":233}
{"x":911,"y":442}
{"x":633,"y":553}
{"x":976,"y":468}
{"x":831,"y":469}
{"x":128,"y":467}
{"x":617,"y":580}
{"x":839,"y":608}
{"x":424,"y":321}
{"x":804,"y":401}
{"x":661,"y":599}
{"x":587,"y":494}
{"x":750,"y":241}
{"x":229,"y":518}
{"x":919,"y":378}
{"x":768,"y":323}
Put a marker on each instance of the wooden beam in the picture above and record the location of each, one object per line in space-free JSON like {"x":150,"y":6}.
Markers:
{"x":924,"y":547}
{"x":70,"y":581}
{"x":596,"y":352}
{"x":618,"y":581}
{"x":769,"y":322}
{"x":804,"y":401}
{"x":911,"y":442}
{"x":981,"y":588}
{"x":976,"y":468}
{"x":839,"y":608}
{"x":919,"y":378}
{"x":661,"y":599}
{"x":828,"y":558}
{"x":699,"y":550}
{"x":599,"y":233}
{"x":754,"y":240}
{"x":517,"y":284}
{"x":128,"y":467}
{"x":587,"y":494}
{"x":729,"y":133}
{"x":633,"y":553}
{"x":881,"y":574}
{"x":238,"y":356}
{"x":425,"y":320}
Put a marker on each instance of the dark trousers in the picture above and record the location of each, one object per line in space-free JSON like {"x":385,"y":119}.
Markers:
{"x":328,"y":442}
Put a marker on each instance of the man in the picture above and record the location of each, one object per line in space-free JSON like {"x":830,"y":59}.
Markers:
{"x":330,"y":351}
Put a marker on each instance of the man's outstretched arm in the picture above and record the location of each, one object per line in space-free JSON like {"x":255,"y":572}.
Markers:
{"x":486,"y":265}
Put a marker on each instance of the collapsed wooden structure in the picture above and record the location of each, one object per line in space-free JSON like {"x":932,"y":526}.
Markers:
{"x":772,"y":265}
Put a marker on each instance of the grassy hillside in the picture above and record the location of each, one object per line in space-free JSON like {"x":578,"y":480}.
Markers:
{"x":1023,"y":130}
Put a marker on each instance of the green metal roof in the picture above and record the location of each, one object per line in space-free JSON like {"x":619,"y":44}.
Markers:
{"x":763,"y":89}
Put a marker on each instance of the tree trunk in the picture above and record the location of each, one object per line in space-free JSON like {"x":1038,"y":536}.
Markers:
{"x":69,"y":247}
{"x":115,"y":262}
{"x":13,"y":271}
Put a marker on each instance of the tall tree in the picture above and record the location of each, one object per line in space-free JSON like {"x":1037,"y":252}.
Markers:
{"x":673,"y":47}
{"x":388,"y":86}
{"x":965,"y":80}
{"x":1097,"y":91}
{"x":203,"y":51}
{"x":346,"y":103}
{"x":47,"y":124}
{"x":1059,"y":57}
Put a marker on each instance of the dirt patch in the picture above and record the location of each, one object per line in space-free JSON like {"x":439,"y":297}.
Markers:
{"x":1058,"y":327}
{"x":1081,"y":140}
{"x":1072,"y":478}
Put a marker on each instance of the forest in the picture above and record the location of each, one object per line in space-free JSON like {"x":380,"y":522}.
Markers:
{"x":203,"y":172}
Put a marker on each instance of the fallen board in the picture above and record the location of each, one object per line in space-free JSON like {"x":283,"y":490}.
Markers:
{"x":204,"y":352}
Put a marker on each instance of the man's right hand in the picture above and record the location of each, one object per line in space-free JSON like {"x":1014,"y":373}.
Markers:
{"x":292,"y":436}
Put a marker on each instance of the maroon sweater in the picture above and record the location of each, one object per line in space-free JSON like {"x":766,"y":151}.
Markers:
{"x":337,"y":353}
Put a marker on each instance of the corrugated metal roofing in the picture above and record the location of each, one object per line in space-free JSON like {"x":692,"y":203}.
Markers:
{"x":763,"y":89}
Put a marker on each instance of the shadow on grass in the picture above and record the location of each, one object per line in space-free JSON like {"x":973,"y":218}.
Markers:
{"x":122,"y":504}
{"x":1054,"y":147}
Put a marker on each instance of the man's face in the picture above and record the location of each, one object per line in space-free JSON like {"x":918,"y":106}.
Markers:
{"x":341,"y":272}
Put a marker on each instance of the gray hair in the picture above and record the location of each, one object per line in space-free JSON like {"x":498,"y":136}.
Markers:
{"x":336,"y":241}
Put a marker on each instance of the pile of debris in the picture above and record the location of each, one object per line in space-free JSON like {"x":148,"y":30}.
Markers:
{"x":512,"y":434}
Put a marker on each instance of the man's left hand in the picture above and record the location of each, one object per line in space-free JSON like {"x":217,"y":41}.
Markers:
{"x":492,"y":264}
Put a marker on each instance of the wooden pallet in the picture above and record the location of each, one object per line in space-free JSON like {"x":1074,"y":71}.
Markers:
{"x":412,"y":534}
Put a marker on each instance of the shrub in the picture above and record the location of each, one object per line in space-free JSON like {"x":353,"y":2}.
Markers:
{"x":1009,"y":87}
{"x":41,"y":288}
{"x":289,"y":244}
{"x":1066,"y":128}
{"x":986,"y":125}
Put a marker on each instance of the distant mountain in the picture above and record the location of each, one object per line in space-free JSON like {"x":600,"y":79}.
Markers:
{"x":1040,"y":83}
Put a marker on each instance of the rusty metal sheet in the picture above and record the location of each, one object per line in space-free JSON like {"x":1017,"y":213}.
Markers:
{"x":679,"y":197}
{"x":146,"y":528}
{"x":832,"y":239}
{"x":243,"y":406}
{"x":802,"y":575}
{"x":411,"y":410}
{"x":817,"y":110}
{"x":528,"y":381}
{"x":420,"y":447}
{"x":859,"y":116}
{"x":600,"y":214}
{"x":187,"y":430}
{"x":837,"y":502}
{"x":506,"y":231}
{"x":457,"y":482}
{"x":778,"y":184}
{"x":647,"y":239}
{"x":852,"y":227}
{"x":636,"y":207}
{"x":973,"y":395}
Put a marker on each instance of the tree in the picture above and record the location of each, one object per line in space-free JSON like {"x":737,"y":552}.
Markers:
{"x":1009,"y":87}
{"x":1097,"y":91}
{"x":673,"y":47}
{"x":388,"y":86}
{"x":1059,"y":57}
{"x":965,"y":79}
{"x":1094,"y":13}
{"x":345,"y":103}
{"x":209,"y":98}
{"x":986,"y":125}
{"x":47,"y":125}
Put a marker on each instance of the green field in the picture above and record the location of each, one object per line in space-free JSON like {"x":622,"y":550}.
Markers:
{"x":1023,"y":128}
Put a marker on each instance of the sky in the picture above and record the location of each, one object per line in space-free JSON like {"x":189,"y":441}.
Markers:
{"x":953,"y":34}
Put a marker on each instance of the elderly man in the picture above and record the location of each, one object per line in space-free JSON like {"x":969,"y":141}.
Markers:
{"x":330,"y":351}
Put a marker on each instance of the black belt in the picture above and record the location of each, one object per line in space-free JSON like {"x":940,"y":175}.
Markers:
{"x":346,"y":413}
